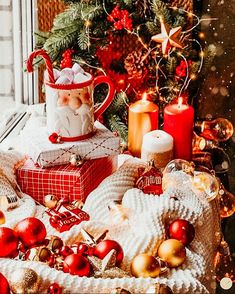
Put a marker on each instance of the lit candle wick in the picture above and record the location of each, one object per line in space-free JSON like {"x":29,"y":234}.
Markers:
{"x":180,"y":102}
{"x":144,"y":97}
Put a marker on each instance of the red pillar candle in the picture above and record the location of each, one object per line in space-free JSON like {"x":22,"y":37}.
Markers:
{"x":178,"y":122}
{"x":142,"y":118}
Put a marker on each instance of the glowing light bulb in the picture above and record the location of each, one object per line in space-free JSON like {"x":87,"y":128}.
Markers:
{"x":200,"y":143}
{"x":226,"y":202}
{"x":219,"y":129}
{"x":223,"y":263}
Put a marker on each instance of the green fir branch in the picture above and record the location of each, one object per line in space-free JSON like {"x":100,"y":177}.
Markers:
{"x":83,"y":40}
{"x":118,"y":104}
{"x":116,"y":125}
{"x":161,"y":11}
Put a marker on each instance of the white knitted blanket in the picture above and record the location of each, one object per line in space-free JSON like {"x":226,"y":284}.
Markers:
{"x":142,"y":232}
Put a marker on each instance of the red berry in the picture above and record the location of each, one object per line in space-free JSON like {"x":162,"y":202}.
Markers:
{"x":118,"y":25}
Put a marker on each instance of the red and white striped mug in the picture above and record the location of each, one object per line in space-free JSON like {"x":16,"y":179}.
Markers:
{"x":70,"y":107}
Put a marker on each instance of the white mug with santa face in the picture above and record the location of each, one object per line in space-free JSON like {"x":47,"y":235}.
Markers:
{"x":70,"y":107}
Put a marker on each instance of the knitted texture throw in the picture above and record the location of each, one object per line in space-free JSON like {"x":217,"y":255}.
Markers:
{"x":143,"y":231}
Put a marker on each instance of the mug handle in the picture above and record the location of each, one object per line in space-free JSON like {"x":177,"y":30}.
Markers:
{"x":107,"y":101}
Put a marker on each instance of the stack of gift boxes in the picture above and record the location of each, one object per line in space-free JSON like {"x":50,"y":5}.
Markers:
{"x":69,"y":170}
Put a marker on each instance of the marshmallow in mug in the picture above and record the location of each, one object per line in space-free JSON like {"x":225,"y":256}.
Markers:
{"x":158,"y":146}
{"x":56,"y":73}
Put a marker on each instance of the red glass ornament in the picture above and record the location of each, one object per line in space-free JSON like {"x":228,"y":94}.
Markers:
{"x":66,"y":251}
{"x":105,"y":246}
{"x":182,"y":230}
{"x":150,"y":180}
{"x":51,"y":261}
{"x":54,"y":289}
{"x":8,"y":243}
{"x":31,"y":231}
{"x":4,"y":286}
{"x":77,"y":264}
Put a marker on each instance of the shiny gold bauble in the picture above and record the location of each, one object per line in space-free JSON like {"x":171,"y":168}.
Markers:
{"x":50,"y":201}
{"x":2,"y":218}
{"x":172,"y":252}
{"x":120,"y":291}
{"x":144,"y":265}
{"x":24,"y":281}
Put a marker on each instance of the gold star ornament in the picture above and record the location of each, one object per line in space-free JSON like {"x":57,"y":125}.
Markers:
{"x":168,"y":38}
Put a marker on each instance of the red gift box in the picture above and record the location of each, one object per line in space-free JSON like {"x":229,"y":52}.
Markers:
{"x":64,"y":181}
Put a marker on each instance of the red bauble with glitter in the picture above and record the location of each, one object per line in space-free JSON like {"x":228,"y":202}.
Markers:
{"x":31,"y":231}
{"x":54,"y":289}
{"x":4,"y":286}
{"x":105,"y":246}
{"x":77,"y":264}
{"x":182,"y":230}
{"x":8,"y":243}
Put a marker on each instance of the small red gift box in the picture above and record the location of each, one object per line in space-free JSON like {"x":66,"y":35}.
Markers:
{"x":64,"y":181}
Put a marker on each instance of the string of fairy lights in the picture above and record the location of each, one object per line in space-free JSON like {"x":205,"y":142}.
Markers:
{"x":185,"y":36}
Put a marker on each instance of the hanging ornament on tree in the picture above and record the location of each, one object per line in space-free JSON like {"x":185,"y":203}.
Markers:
{"x":146,"y":266}
{"x":172,"y":252}
{"x":182,"y":230}
{"x":8,"y":243}
{"x":31,"y":231}
{"x":150,"y":180}
{"x":24,"y":281}
{"x":168,"y":38}
{"x":4,"y":286}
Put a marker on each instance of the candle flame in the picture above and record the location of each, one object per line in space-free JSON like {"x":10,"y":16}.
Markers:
{"x":144,"y":97}
{"x":180,"y":102}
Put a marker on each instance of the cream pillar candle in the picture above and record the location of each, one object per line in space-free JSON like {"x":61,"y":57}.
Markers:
{"x":157,"y":145}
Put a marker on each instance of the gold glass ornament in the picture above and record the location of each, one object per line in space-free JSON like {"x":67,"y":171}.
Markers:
{"x":172,"y":252}
{"x":226,"y":202}
{"x":207,"y":183}
{"x":2,"y":218}
{"x":146,"y":266}
{"x":50,"y":201}
{"x":24,"y":281}
{"x":219,"y":129}
{"x":223,"y":263}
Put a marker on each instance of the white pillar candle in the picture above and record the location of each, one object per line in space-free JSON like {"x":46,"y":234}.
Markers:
{"x":157,"y":145}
